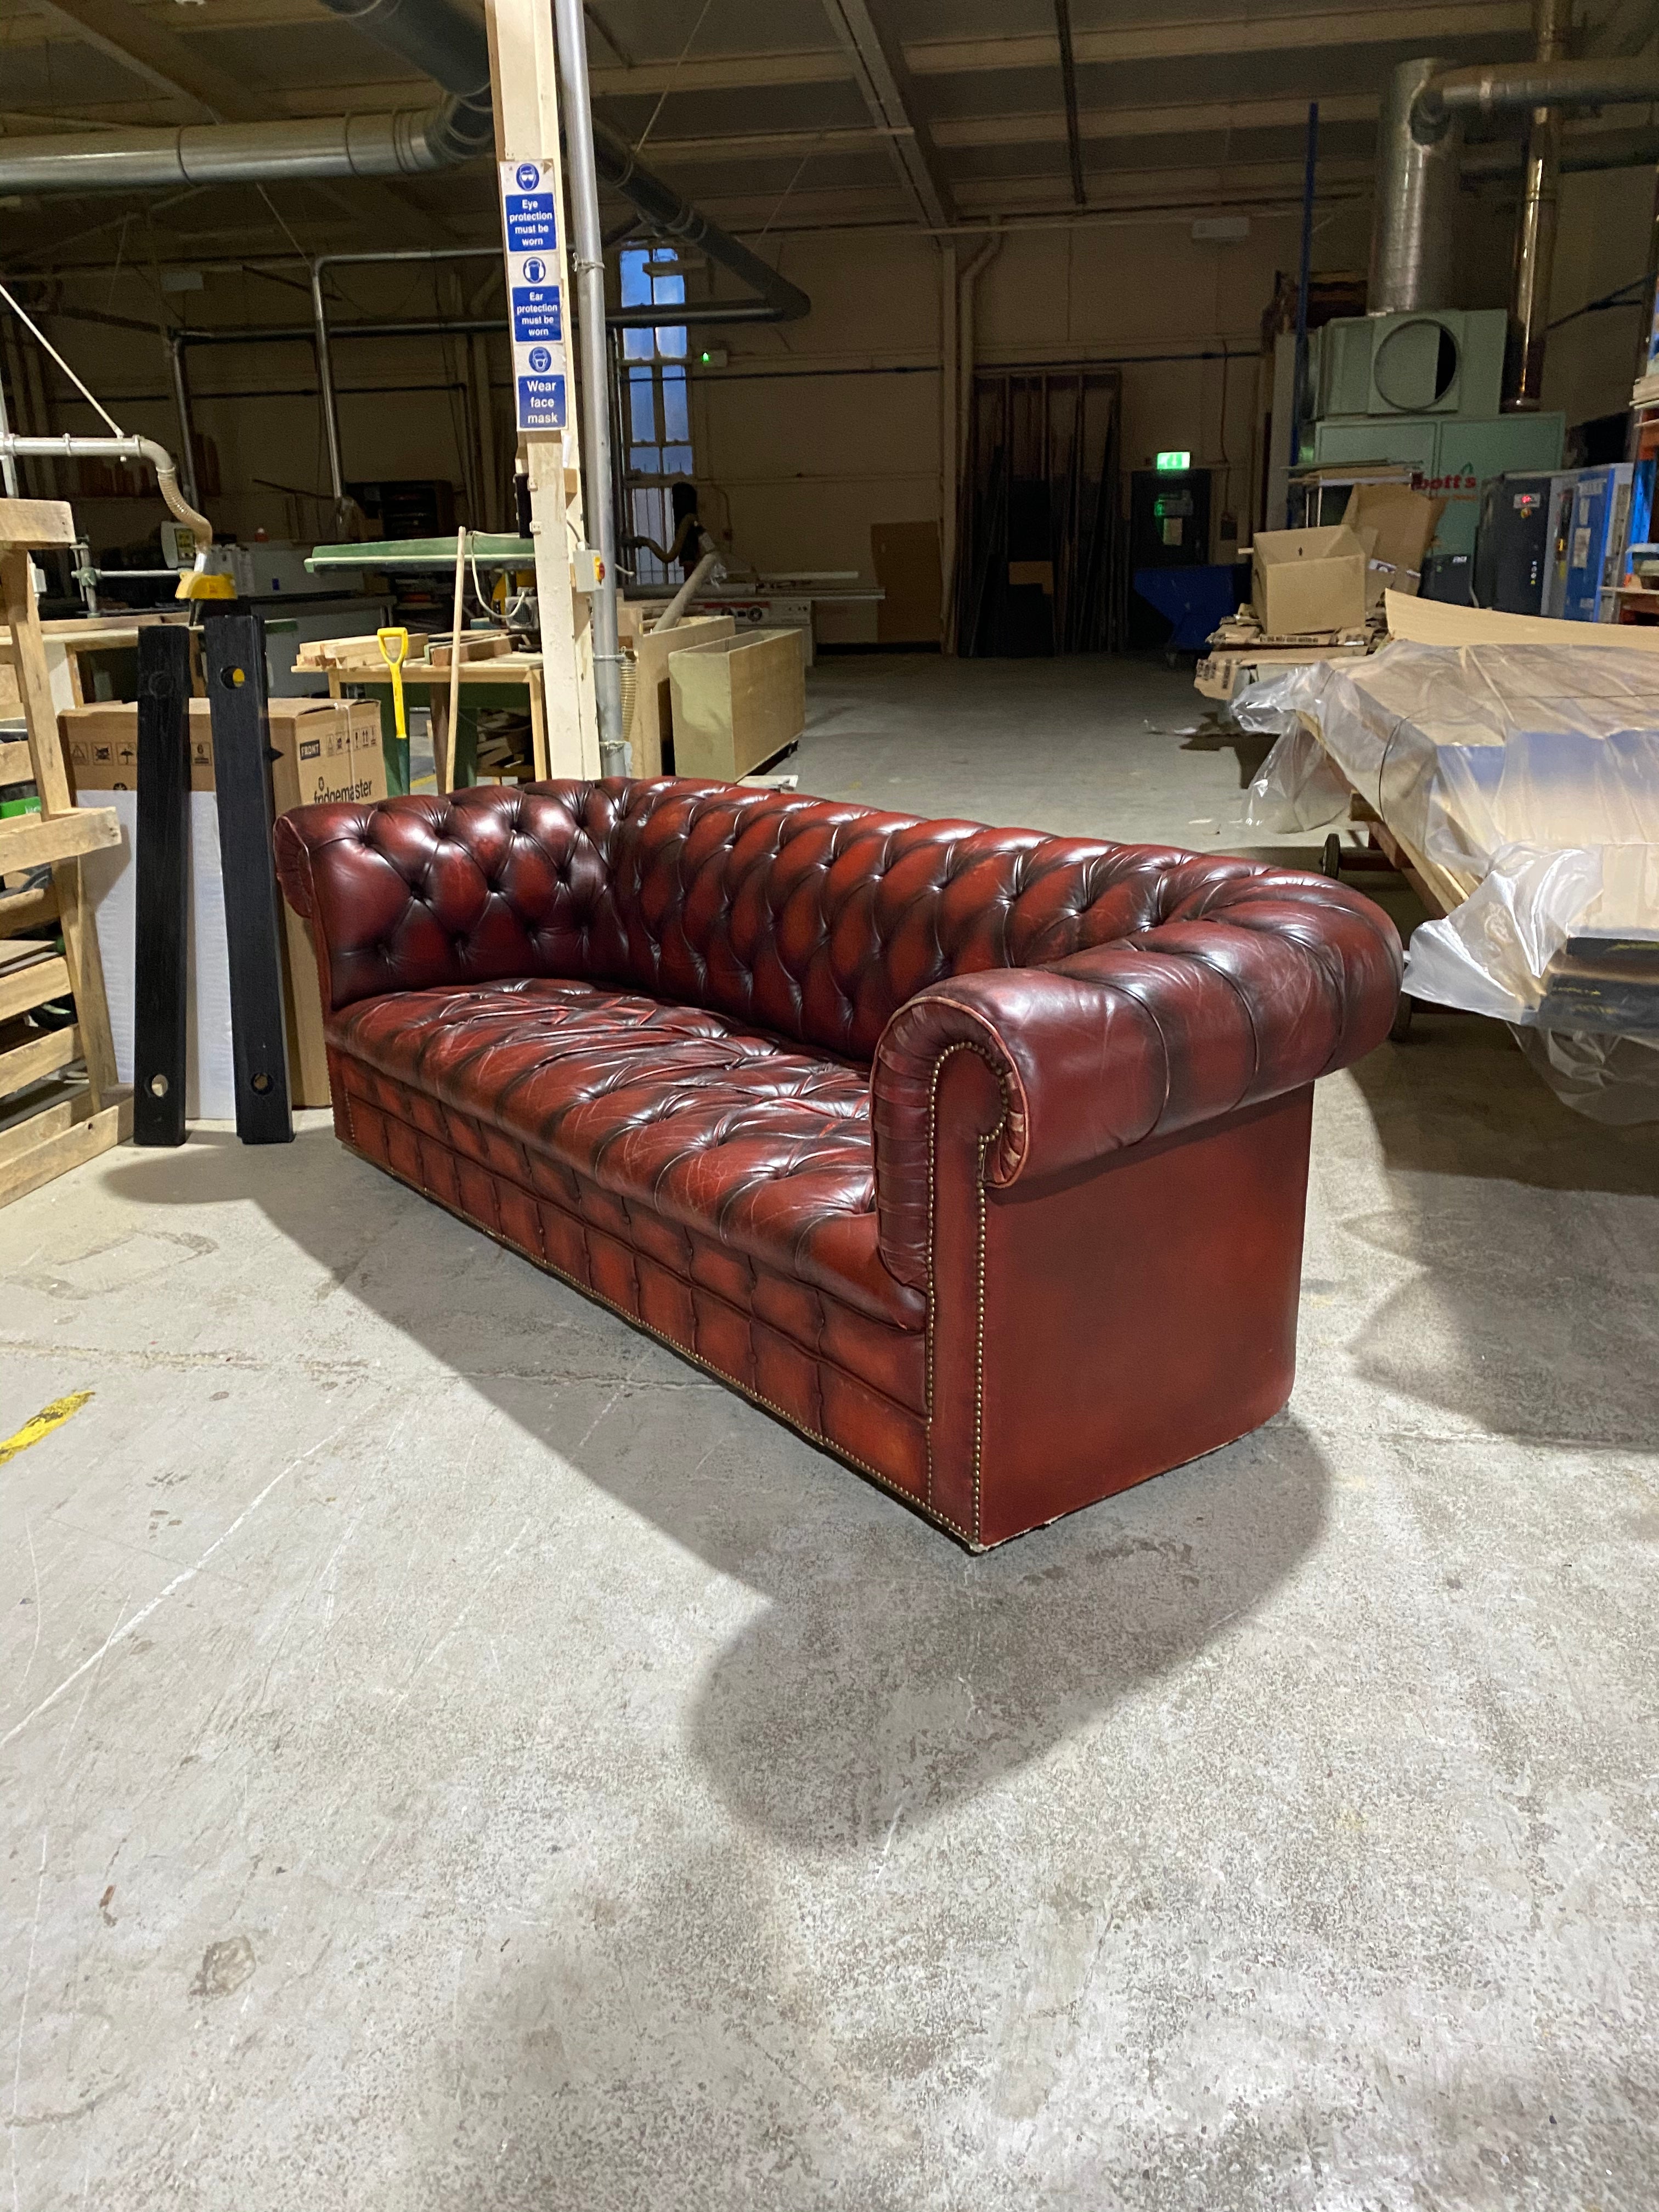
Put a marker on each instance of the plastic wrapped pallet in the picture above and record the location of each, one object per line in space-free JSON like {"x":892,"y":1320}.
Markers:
{"x":1525,"y":778}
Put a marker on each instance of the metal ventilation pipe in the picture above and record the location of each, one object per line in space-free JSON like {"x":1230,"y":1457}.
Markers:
{"x":116,"y":449}
{"x":435,"y":36}
{"x":400,"y":145}
{"x":444,"y":41}
{"x":671,"y":215}
{"x":1535,"y":230}
{"x":446,"y":44}
{"x":1501,"y":88}
{"x":1413,"y":222}
{"x":1545,"y":85}
{"x":588,"y":268}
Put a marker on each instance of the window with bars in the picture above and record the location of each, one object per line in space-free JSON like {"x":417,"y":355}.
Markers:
{"x":656,"y":408}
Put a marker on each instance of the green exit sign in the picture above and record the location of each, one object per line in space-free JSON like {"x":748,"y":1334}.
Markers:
{"x":1175,"y":460}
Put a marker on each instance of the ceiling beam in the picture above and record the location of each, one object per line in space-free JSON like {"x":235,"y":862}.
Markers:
{"x":1152,"y":39}
{"x":1036,"y":128}
{"x":1160,"y":40}
{"x":1192,"y":118}
{"x":879,"y":71}
{"x":153,"y":52}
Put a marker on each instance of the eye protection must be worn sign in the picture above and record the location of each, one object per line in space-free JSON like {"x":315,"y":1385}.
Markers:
{"x":530,"y":225}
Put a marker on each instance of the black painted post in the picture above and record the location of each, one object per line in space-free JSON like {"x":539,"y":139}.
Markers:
{"x":235,"y":649}
{"x":161,"y":933}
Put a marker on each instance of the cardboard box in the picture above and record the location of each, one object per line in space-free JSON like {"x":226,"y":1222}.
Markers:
{"x":737,"y":702}
{"x":1405,"y":522}
{"x":100,"y":746}
{"x":326,"y":749}
{"x":1308,"y":581}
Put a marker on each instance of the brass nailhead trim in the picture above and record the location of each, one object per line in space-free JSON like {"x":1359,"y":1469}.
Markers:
{"x":985,"y":1145}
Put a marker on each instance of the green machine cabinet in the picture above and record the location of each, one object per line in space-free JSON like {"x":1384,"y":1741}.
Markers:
{"x":1449,"y":456}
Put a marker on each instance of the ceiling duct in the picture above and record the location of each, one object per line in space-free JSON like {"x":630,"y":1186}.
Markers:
{"x":1419,"y":163}
{"x":1413,"y":225}
{"x":670,"y":215}
{"x":444,"y":41}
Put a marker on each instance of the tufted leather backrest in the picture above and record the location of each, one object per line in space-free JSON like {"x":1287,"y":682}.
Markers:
{"x":807,"y":917}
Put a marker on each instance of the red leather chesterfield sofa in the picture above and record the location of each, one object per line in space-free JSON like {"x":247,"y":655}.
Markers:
{"x":977,"y":1155}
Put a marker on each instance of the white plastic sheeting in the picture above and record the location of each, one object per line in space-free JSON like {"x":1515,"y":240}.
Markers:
{"x":1527,"y":777}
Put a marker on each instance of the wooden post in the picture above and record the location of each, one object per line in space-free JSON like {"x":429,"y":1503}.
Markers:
{"x":445,"y":762}
{"x":236,"y":647}
{"x":161,"y":996}
{"x":524,"y":81}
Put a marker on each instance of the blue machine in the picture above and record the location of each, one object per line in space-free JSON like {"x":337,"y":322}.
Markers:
{"x":1195,"y":601}
{"x":1589,"y":530}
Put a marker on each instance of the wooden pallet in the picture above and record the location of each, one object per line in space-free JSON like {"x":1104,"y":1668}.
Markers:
{"x":52,"y":1118}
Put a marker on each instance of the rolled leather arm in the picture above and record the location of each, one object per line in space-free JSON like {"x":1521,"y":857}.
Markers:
{"x":1281,"y":980}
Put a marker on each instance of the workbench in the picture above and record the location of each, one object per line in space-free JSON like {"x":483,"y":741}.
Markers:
{"x":509,"y":680}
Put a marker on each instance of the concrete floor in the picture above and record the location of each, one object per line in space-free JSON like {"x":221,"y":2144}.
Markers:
{"x":454,"y":1755}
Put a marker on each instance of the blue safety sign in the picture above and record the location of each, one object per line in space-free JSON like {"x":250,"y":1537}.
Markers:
{"x":529,"y":208}
{"x":538,"y":315}
{"x":529,"y":226}
{"x":541,"y":400}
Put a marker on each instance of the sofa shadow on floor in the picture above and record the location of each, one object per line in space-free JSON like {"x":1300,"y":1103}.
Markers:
{"x":891,"y":1674}
{"x":1534,"y":1231}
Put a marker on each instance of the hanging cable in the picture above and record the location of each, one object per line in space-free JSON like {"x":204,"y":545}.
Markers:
{"x":98,"y":404}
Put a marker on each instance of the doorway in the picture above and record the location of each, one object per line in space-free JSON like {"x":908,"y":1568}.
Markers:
{"x":1038,"y":574}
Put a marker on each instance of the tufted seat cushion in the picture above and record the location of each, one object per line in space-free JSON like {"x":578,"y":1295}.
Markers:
{"x":755,"y":1143}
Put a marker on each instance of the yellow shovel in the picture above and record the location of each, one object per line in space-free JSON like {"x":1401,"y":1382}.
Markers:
{"x":394,"y":648}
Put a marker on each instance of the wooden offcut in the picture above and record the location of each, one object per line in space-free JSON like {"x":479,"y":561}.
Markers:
{"x":737,"y":702}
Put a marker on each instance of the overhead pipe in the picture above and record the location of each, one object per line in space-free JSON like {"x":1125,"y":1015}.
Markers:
{"x":1413,"y":222}
{"x":966,"y":288}
{"x":589,"y":267}
{"x":68,"y":446}
{"x":320,"y":333}
{"x":1444,"y":97}
{"x":409,"y":143}
{"x":1500,"y":88}
{"x":1535,"y":230}
{"x":441,"y":40}
{"x":672,"y":215}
